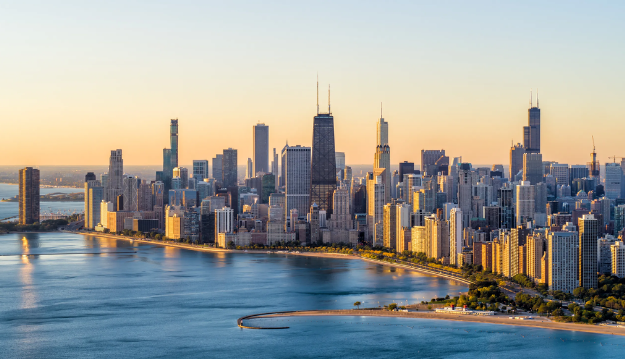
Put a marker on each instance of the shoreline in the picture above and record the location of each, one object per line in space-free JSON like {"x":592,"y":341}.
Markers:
{"x":537,"y":322}
{"x":302,"y":253}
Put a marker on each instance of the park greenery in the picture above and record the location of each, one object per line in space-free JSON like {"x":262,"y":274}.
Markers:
{"x":43,"y":226}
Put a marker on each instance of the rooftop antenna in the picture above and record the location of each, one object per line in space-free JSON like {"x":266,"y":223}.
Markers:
{"x":317,"y":93}
{"x":593,"y":143}
{"x":329,"y":111}
{"x":537,"y":98}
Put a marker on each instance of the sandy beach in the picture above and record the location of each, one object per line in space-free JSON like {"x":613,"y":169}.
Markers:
{"x":537,"y":322}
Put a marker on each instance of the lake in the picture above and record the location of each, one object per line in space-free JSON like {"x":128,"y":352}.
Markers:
{"x":79,"y":296}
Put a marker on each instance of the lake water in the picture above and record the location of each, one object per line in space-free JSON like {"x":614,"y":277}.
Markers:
{"x":10,"y":209}
{"x":95,"y":297}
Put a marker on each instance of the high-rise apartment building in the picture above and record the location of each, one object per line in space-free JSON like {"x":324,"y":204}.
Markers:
{"x":323,"y":162}
{"x":296,"y":173}
{"x":562,"y":250}
{"x":455,"y":235}
{"x":390,"y":226}
{"x":618,"y":259}
{"x":588,"y":234}
{"x":29,"y":195}
{"x":115,"y":176}
{"x":229,"y":168}
{"x":261,"y":149}
{"x":533,"y":169}
{"x":516,"y":160}
{"x":200,"y":170}
{"x":525,"y":202}
{"x":94,"y":194}
{"x":375,"y":205}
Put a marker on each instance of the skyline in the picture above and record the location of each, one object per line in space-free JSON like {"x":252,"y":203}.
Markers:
{"x":114,"y":85}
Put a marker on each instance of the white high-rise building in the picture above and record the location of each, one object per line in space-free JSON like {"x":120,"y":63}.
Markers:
{"x":618,"y":259}
{"x":105,"y":208}
{"x":613,"y":178}
{"x":562,"y":249}
{"x":224,"y":220}
{"x":296,"y":172}
{"x":525,"y":201}
{"x":455,"y":235}
{"x":375,"y":205}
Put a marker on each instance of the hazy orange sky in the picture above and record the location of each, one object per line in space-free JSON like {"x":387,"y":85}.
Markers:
{"x":80,"y":78}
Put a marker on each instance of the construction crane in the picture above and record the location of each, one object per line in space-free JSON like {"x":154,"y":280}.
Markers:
{"x":613,"y":158}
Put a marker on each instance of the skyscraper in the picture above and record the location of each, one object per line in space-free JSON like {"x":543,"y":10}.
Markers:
{"x":533,"y":169}
{"x":375,"y":205}
{"x":200,"y":170}
{"x":229,"y":167}
{"x":340,"y":160}
{"x":516,"y":160}
{"x":249,"y":169}
{"x":382,"y":159}
{"x":261,"y":149}
{"x":94,"y":194}
{"x":217,"y":168}
{"x":613,"y":178}
{"x":173,"y":142}
{"x":29,"y":195}
{"x":455,"y":235}
{"x":562,"y":249}
{"x":428,"y":161}
{"x":525,"y":202}
{"x":116,"y":174}
{"x":531,"y":132}
{"x":588,"y":234}
{"x":382,"y":132}
{"x":323,"y":163}
{"x":296,"y":172}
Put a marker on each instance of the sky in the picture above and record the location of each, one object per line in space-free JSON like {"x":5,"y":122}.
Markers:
{"x":82,"y":78}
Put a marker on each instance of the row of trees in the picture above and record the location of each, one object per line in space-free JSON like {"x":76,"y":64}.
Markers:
{"x":44,"y":226}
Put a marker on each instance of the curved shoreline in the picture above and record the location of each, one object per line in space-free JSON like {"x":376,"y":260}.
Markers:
{"x":541,"y":323}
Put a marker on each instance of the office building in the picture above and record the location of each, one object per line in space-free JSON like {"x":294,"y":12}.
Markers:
{"x":525,"y":202}
{"x":261,"y":149}
{"x":533,"y":169}
{"x":516,"y":160}
{"x":323,"y":162}
{"x":428,"y":161}
{"x":531,"y":132}
{"x":613,"y":178}
{"x":217,"y":168}
{"x":200,"y":170}
{"x":229,"y":168}
{"x":375,"y":205}
{"x":183,"y":174}
{"x":560,"y":171}
{"x":587,"y":266}
{"x":249,"y":169}
{"x":340,"y":160}
{"x":382,"y":159}
{"x":296,"y":172}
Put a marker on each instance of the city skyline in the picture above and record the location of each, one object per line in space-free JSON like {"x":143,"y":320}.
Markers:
{"x":407,"y":65}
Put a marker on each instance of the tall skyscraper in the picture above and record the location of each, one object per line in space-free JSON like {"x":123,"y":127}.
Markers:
{"x":618,"y":259}
{"x":533,"y":169}
{"x":94,"y":194}
{"x":382,"y":131}
{"x":375,"y":205}
{"x":382,"y":159}
{"x":274,"y":168}
{"x":29,"y":195}
{"x":173,"y":142}
{"x":296,"y":172}
{"x":588,"y":234}
{"x":116,"y":176}
{"x":389,"y":236}
{"x":516,"y":160}
{"x":249,"y":169}
{"x":229,"y":167}
{"x":613,"y":178}
{"x":200,"y":170}
{"x":323,"y":163}
{"x":455,"y":235}
{"x":261,"y":149}
{"x":531,"y":132}
{"x":217,"y":168}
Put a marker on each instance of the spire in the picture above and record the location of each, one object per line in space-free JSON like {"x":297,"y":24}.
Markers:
{"x":530,"y":98}
{"x":537,"y":98}
{"x":317,"y":93}
{"x":329,"y":111}
{"x":381,"y":110}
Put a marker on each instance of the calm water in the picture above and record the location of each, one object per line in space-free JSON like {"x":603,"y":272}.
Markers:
{"x":146,"y":301}
{"x":10,"y":209}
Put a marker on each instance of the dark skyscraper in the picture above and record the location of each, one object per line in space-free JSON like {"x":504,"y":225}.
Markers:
{"x":29,"y":195}
{"x":531,"y":132}
{"x":405,"y":168}
{"x":588,"y":233}
{"x":229,"y":168}
{"x":323,"y":163}
{"x":115,"y":184}
{"x":170,"y":156}
{"x":261,"y":149}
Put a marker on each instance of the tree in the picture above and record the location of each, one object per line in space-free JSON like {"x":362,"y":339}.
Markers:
{"x":392,"y":306}
{"x":357,"y":304}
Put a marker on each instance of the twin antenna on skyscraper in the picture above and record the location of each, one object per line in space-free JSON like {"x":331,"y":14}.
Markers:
{"x":532,"y":98}
{"x":329,"y":110}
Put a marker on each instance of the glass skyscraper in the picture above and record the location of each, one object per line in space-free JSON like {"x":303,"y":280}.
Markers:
{"x":323,"y":163}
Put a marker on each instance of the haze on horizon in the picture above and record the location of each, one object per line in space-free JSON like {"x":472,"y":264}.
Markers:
{"x":81,"y":79}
